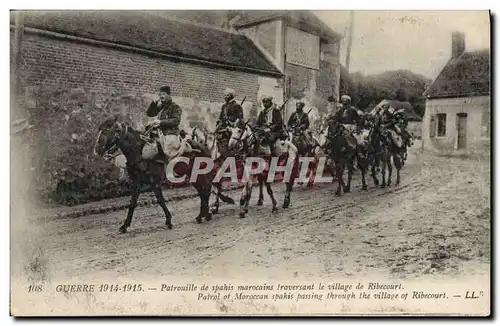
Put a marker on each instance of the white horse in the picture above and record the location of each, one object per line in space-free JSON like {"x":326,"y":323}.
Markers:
{"x":243,"y":141}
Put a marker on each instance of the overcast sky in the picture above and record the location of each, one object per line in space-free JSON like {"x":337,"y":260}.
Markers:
{"x":416,"y":40}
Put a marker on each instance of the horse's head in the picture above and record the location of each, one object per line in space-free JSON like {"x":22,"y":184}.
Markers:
{"x":109,"y":132}
{"x":239,"y":134}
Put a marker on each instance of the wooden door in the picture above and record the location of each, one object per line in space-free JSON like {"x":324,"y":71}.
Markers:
{"x":462,"y":130}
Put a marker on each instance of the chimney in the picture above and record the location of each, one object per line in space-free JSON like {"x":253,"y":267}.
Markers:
{"x":457,"y":44}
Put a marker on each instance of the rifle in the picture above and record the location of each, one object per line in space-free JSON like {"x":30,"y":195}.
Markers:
{"x":283,"y":105}
{"x":243,"y":101}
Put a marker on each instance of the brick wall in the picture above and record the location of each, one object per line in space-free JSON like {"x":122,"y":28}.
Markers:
{"x":75,"y":65}
{"x":70,"y":88}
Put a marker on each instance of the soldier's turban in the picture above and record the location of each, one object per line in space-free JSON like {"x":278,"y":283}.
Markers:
{"x":229,"y":91}
{"x":301,"y":104}
{"x":345,"y":98}
{"x":267,"y":98}
{"x":165,"y":89}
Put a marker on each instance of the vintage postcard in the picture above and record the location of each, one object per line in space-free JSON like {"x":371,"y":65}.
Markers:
{"x":250,"y":163}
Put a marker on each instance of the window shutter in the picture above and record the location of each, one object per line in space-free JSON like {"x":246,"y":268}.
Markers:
{"x":432,"y":126}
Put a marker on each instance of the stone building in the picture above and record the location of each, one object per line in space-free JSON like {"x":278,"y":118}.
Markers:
{"x":458,"y":104}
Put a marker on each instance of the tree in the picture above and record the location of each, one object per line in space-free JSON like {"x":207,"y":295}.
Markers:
{"x":401,"y":85}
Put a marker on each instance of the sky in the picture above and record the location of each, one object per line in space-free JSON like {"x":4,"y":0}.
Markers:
{"x":416,"y":40}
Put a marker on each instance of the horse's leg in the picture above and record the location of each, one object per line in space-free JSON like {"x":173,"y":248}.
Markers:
{"x":261,"y":193}
{"x":350,"y":170}
{"x":270,"y":193}
{"x":215,"y":207}
{"x":363,"y":164}
{"x":312,"y":174}
{"x":389,"y":166}
{"x":198,"y":188}
{"x":162,"y":203}
{"x":203,"y":187}
{"x":246,"y":194}
{"x":384,"y":165}
{"x":375,"y":166}
{"x":398,"y":162}
{"x":339,"y":171}
{"x":288,"y":190}
{"x":205,"y":200}
{"x":131,"y":208}
{"x":333,"y":169}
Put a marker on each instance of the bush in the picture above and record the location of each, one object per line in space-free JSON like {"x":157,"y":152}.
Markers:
{"x":64,"y":131}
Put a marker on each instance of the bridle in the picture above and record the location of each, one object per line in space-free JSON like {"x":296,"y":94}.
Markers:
{"x":113,"y":150}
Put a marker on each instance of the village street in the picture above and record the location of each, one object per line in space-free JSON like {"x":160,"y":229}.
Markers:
{"x":435,"y":222}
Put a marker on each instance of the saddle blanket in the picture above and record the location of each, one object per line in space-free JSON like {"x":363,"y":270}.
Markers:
{"x":172,"y":145}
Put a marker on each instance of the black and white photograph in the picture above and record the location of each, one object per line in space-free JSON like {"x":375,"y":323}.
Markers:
{"x":250,"y":162}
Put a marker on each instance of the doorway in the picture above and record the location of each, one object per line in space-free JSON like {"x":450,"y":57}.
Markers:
{"x":461,"y":130}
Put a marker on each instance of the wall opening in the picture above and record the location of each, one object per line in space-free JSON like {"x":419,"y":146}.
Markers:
{"x":441,"y":124}
{"x":461,"y":130}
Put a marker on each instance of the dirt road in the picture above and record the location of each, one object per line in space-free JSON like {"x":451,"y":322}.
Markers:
{"x":435,"y":222}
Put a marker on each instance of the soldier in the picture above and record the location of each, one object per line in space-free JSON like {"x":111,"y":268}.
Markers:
{"x":299,"y":123}
{"x":167,"y":116}
{"x":348,"y":116}
{"x":231,"y":111}
{"x":269,"y":126}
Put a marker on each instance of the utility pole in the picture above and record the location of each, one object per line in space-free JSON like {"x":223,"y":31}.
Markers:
{"x":349,"y":40}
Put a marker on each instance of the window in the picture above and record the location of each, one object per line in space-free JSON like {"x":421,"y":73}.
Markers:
{"x":441,"y":124}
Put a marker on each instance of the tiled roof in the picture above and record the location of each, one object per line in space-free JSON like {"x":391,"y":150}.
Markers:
{"x":154,"y":33}
{"x":467,"y":75}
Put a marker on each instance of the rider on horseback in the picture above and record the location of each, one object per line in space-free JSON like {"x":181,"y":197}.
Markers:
{"x":348,"y":117}
{"x":396,"y":122}
{"x":164,"y":128}
{"x":231,"y":113}
{"x":389,"y":123}
{"x":269,"y":127}
{"x":402,"y":122}
{"x":298,"y":123}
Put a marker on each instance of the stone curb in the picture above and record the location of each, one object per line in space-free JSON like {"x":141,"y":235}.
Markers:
{"x":120,"y":206}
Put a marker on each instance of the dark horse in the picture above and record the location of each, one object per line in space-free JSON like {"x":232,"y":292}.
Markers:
{"x":114,"y":135}
{"x":342,"y":155}
{"x":382,"y":149}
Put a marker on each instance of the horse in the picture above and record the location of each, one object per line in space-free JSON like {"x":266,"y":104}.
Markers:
{"x":218,"y":156}
{"x":114,"y":135}
{"x":362,"y":156}
{"x":243,"y":141}
{"x":383,"y":148}
{"x":303,"y":150}
{"x":342,"y":154}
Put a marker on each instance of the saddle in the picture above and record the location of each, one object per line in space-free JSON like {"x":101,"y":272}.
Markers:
{"x":153,"y":144}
